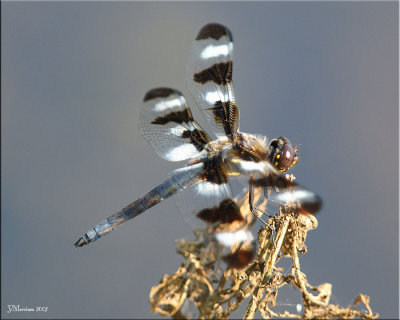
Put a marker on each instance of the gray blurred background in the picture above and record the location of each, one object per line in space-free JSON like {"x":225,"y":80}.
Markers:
{"x":325,"y":75}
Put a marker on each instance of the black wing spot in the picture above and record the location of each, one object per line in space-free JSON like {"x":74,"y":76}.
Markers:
{"x":214,"y":171}
{"x":226,"y":114}
{"x":183,"y":116}
{"x":220,"y":73}
{"x":159,"y":93}
{"x":273,"y":180}
{"x":227,"y":212}
{"x":213,"y":30}
{"x":197,"y":137}
{"x":240,"y":258}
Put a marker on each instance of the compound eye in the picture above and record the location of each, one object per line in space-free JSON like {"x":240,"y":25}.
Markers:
{"x":285,"y":158}
{"x":284,"y":155}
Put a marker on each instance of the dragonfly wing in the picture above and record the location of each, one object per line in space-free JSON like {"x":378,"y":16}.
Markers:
{"x":211,"y":203}
{"x":288,"y":193}
{"x":166,"y":122}
{"x":209,"y":76}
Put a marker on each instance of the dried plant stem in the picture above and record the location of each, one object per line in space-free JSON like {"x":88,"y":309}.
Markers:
{"x":259,"y":291}
{"x":302,"y":282}
{"x":216,"y":295}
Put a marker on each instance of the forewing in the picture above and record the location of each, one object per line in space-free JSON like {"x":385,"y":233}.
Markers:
{"x":166,"y":122}
{"x":281,"y":189}
{"x":209,"y":75}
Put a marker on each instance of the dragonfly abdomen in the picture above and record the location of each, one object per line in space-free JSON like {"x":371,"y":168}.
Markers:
{"x":180,"y":179}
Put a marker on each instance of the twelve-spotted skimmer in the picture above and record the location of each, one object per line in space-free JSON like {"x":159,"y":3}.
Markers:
{"x":166,"y":122}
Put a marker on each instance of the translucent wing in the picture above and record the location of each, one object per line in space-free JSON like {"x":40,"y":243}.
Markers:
{"x":235,"y":235}
{"x":210,"y":201}
{"x":211,"y":189}
{"x":287,"y":193}
{"x":166,"y":122}
{"x":209,"y":75}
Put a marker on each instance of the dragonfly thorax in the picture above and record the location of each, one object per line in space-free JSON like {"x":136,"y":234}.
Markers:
{"x":250,"y":147}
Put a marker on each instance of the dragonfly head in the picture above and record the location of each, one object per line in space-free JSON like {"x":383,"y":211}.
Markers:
{"x":282,"y":154}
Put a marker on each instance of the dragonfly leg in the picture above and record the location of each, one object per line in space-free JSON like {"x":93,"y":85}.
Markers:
{"x":253,"y":209}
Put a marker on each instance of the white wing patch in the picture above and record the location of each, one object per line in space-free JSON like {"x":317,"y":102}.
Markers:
{"x":168,"y":104}
{"x":211,"y":189}
{"x":250,"y":166}
{"x":175,"y":154}
{"x":293,"y":195}
{"x":230,"y":238}
{"x":213,"y":96}
{"x":212,"y":51}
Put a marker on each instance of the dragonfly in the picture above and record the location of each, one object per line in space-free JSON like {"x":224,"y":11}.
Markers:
{"x":167,"y":123}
